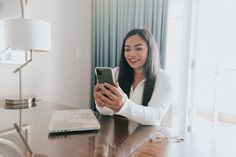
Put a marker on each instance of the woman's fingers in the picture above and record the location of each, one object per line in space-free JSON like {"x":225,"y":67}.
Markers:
{"x":112,"y":88}
{"x":106,"y":100}
{"x":100,"y":103}
{"x":101,"y":97}
{"x":98,"y":100}
{"x":109,"y":96}
{"x":107,"y":93}
{"x":97,"y":87}
{"x":96,"y":95}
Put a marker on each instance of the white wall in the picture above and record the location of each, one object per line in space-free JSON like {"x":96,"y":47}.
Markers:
{"x":9,"y":8}
{"x":62,"y":75}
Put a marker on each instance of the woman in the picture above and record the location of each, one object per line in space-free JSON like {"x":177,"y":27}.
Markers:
{"x":143,"y":92}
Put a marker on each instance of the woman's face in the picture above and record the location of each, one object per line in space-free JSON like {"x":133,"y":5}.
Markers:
{"x":136,"y":52}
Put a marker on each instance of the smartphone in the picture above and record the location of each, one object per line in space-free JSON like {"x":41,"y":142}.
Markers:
{"x":104,"y":74}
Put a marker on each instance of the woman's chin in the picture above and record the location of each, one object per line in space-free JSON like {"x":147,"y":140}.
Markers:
{"x":137,"y":67}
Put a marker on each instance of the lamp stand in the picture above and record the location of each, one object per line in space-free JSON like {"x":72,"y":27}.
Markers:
{"x":21,"y":103}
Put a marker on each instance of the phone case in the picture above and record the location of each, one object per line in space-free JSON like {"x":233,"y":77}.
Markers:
{"x":104,"y":74}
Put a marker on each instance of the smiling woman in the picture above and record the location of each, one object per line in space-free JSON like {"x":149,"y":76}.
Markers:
{"x":143,"y":92}
{"x":112,"y":19}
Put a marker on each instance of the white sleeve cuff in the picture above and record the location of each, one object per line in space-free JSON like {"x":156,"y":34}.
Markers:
{"x":124,"y":107}
{"x":104,"y":110}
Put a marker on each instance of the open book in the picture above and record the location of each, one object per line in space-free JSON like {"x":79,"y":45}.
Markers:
{"x":73,"y":120}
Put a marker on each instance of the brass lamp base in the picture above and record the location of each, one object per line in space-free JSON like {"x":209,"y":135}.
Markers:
{"x":16,"y":103}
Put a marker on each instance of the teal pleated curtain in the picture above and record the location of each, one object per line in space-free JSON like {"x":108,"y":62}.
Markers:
{"x":112,"y":19}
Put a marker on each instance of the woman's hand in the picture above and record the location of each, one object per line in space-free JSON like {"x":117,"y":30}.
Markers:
{"x":110,"y":96}
{"x":97,"y":95}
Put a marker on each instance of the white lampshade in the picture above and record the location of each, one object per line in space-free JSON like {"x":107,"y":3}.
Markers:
{"x":29,"y":34}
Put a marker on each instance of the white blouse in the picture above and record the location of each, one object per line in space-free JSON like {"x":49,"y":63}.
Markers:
{"x":157,"y":106}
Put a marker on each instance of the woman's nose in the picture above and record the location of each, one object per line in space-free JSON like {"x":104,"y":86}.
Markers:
{"x":132,"y":52}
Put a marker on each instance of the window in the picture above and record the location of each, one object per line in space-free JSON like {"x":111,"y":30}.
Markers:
{"x":200,"y":58}
{"x":174,"y":56}
{"x":215,"y":68}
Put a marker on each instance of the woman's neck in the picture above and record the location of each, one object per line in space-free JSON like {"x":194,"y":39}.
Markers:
{"x":138,"y":76}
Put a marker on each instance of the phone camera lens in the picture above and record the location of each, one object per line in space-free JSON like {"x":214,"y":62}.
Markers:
{"x":99,"y":72}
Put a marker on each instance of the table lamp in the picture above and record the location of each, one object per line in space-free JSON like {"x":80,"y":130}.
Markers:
{"x":29,"y":35}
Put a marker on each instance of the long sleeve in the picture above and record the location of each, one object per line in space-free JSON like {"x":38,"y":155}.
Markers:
{"x":104,"y":110}
{"x":157,"y":106}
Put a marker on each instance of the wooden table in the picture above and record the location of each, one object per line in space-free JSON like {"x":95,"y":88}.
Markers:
{"x":117,"y":137}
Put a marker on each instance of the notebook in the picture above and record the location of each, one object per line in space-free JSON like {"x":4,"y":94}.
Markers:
{"x":73,"y":120}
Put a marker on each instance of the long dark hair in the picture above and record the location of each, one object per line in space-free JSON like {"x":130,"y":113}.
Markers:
{"x":126,"y":73}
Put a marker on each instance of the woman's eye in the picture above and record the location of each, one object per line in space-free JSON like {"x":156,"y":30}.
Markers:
{"x":139,"y":49}
{"x":127,"y":49}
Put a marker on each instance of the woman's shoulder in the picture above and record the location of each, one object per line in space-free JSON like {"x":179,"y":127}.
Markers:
{"x":163,"y":83}
{"x":163,"y":76}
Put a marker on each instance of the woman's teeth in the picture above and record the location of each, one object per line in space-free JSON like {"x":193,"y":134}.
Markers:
{"x":134,"y":60}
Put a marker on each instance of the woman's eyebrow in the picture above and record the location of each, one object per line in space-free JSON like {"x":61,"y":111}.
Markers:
{"x":138,"y":45}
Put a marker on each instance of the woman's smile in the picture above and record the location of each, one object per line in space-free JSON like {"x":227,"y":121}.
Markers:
{"x":133,"y":60}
